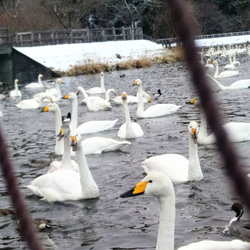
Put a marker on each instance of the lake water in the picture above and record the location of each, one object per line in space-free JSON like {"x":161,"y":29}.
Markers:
{"x":110,"y":222}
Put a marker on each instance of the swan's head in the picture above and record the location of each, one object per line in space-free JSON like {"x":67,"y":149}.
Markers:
{"x":59,"y":80}
{"x":70,"y":96}
{"x":193,"y":130}
{"x":64,"y":132}
{"x":137,"y":82}
{"x":40,"y":75}
{"x":16,"y":81}
{"x":124,"y":96}
{"x":154,"y":184}
{"x":214,"y":62}
{"x":102,"y":74}
{"x":194,"y":102}
{"x":52,"y":107}
{"x":76,"y":140}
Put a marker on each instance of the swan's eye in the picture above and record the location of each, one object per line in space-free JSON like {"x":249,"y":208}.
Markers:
{"x":150,"y":181}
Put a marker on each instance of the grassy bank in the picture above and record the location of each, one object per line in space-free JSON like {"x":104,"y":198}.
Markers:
{"x":144,"y":61}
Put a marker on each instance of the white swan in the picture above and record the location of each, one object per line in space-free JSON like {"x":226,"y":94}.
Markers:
{"x":226,"y":73}
{"x":128,"y":129}
{"x":160,"y":186}
{"x":66,"y":163}
{"x":133,"y":99}
{"x":209,"y":65}
{"x":57,"y":90}
{"x":236,"y":226}
{"x":36,"y":102}
{"x":240,"y":84}
{"x":98,"y":90}
{"x":95,"y":105}
{"x":237,"y":131}
{"x":235,"y":63}
{"x":2,"y":96}
{"x":35,"y":85}
{"x":229,"y":66}
{"x":64,"y":185}
{"x":88,"y":127}
{"x":156,"y":110}
{"x":16,"y":92}
{"x":177,"y":167}
{"x":98,"y":98}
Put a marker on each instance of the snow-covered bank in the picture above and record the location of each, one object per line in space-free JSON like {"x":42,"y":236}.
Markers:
{"x":62,"y":57}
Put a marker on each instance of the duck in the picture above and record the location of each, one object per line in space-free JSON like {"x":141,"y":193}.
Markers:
{"x":98,"y":98}
{"x":36,"y":102}
{"x":15,"y":92}
{"x":156,"y":110}
{"x":35,"y":85}
{"x":159,"y":185}
{"x":236,"y":225}
{"x":97,"y":104}
{"x":63,"y":185}
{"x":237,"y":131}
{"x":240,"y":84}
{"x":226,"y":73}
{"x":129,"y":129}
{"x":157,"y":94}
{"x":89,"y":126}
{"x":66,"y":162}
{"x":98,"y":90}
{"x":176,"y":166}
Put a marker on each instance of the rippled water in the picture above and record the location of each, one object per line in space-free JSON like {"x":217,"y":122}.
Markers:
{"x":111,"y":222}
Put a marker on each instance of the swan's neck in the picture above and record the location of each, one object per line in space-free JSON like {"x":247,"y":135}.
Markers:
{"x":194,"y":168}
{"x":40,"y":80}
{"x":140,"y":106}
{"x":73,"y":122}
{"x":58,"y":122}
{"x":58,"y":91}
{"x":87,"y":182}
{"x":129,"y":128}
{"x":66,"y":158}
{"x":16,"y":86}
{"x":216,"y":72}
{"x":218,"y":84}
{"x":166,"y":223}
{"x":88,"y":102}
{"x":102,"y":84}
{"x":203,"y":124}
{"x":107,"y":95}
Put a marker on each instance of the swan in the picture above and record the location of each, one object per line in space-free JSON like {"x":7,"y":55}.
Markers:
{"x":240,"y":84}
{"x":227,"y":73}
{"x":156,"y":110}
{"x":96,"y":105}
{"x":2,"y":96}
{"x":35,"y":85}
{"x":54,"y":108}
{"x":229,"y":66}
{"x":98,"y":90}
{"x":237,"y":131}
{"x":235,"y":63}
{"x":56,"y":91}
{"x":177,"y":167}
{"x":209,"y":65}
{"x":88,"y":127}
{"x":66,"y":162}
{"x":129,"y":129}
{"x":160,"y":186}
{"x":98,"y":98}
{"x":133,"y":99}
{"x":236,"y":225}
{"x":16,"y":92}
{"x":35,"y":103}
{"x":62,"y":185}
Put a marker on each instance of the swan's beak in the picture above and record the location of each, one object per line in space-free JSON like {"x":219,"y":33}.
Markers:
{"x":65,"y":97}
{"x":78,"y":92}
{"x":61,"y":134}
{"x":194,"y":135}
{"x":192,"y":101}
{"x":149,"y":100}
{"x":137,"y":190}
{"x":46,"y":109}
{"x":73,"y":142}
{"x":135,"y":83}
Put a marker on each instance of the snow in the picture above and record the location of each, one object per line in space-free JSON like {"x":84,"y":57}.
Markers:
{"x":62,"y":57}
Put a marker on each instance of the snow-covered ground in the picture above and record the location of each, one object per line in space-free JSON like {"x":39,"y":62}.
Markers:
{"x":62,"y":57}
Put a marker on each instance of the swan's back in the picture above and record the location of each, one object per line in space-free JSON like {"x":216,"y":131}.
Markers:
{"x":158,"y":110}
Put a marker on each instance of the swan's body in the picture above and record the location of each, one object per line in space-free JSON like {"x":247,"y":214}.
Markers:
{"x":35,"y":85}
{"x":226,"y":73}
{"x":64,"y":185}
{"x":98,"y":98}
{"x":176,"y":166}
{"x":95,"y":105}
{"x":98,"y":90}
{"x":35,"y":103}
{"x":156,"y":110}
{"x":160,"y":186}
{"x":67,"y":163}
{"x":129,"y":129}
{"x":16,"y":92}
{"x":237,"y":131}
{"x":98,"y":145}
{"x":240,"y":84}
{"x":90,"y":126}
{"x":236,"y":226}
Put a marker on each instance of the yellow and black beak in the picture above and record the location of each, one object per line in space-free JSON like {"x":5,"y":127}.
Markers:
{"x":136,"y":82}
{"x":45,"y":109}
{"x":194,"y":135}
{"x":65,"y":97}
{"x":61,"y":134}
{"x":73,"y":142}
{"x":192,"y":101}
{"x":139,"y":189}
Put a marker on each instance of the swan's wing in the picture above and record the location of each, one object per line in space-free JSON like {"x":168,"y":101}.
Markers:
{"x":161,"y":110}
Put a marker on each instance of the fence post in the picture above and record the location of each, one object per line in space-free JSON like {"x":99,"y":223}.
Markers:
{"x":123,"y":33}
